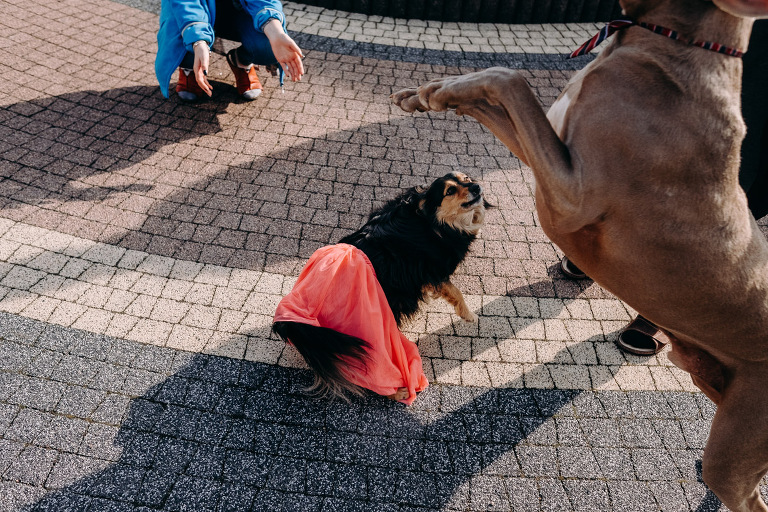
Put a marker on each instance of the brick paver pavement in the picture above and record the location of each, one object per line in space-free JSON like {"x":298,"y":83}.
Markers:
{"x":144,"y":244}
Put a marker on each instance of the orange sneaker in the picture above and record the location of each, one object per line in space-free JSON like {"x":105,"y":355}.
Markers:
{"x":187,"y":87}
{"x":248,"y":85}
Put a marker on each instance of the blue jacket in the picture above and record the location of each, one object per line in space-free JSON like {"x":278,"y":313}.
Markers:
{"x":182,"y":22}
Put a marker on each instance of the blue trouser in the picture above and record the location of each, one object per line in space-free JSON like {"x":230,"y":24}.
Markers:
{"x":234,"y":23}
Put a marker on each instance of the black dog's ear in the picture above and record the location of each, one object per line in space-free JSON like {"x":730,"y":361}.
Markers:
{"x":421,"y":198}
{"x":414,"y":196}
{"x":488,"y":205}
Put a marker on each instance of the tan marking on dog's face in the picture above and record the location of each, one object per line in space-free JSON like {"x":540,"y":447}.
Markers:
{"x":455,"y":210}
{"x":461,"y":177}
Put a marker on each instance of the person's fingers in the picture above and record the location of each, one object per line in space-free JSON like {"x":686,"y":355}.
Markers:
{"x":287,"y":69}
{"x":294,"y":68}
{"x":200,"y":67}
{"x":203,"y":83}
{"x":206,"y":86}
{"x":298,"y":55}
{"x":289,"y":59}
{"x":293,"y":72}
{"x":200,"y":75}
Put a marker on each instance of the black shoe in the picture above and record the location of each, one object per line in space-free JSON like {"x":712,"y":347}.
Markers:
{"x":571,"y":270}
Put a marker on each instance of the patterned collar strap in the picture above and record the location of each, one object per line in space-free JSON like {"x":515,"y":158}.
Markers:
{"x":620,"y":24}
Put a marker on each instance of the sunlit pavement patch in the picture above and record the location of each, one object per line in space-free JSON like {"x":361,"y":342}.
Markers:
{"x":92,"y":421}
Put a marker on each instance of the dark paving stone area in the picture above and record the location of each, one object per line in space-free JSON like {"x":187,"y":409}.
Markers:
{"x":531,"y":61}
{"x":94,"y":423}
{"x":538,"y":61}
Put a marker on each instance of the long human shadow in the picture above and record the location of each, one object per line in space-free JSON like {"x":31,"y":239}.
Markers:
{"x":226,"y":434}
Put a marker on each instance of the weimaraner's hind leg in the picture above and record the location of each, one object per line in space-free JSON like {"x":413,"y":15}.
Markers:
{"x":736,"y":456}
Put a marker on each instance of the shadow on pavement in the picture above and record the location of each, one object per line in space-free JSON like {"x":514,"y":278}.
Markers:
{"x":225,"y":434}
{"x":499,"y":321}
{"x":210,"y":183}
{"x":56,"y":144}
{"x":245,"y":186}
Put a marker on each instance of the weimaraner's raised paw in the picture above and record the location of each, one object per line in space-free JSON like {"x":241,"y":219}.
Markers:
{"x":410,"y":100}
{"x":403,"y":98}
{"x":435,"y":96}
{"x":452,"y":92}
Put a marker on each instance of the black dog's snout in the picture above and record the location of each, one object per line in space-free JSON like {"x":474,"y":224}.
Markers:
{"x":474,"y":188}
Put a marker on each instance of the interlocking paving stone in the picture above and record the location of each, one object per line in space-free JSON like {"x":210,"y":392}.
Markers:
{"x":144,"y":244}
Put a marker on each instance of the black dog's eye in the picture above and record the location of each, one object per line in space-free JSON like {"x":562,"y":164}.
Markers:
{"x":450,"y":191}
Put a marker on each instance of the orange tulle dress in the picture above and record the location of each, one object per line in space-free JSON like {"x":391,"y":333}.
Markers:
{"x":338,"y":289}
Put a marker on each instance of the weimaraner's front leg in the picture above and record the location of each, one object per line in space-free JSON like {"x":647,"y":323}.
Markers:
{"x":502,"y":101}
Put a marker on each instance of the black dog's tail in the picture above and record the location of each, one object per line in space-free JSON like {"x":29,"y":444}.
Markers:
{"x":329,"y":354}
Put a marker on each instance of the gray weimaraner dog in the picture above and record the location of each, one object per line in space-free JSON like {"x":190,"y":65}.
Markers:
{"x":636,"y":168}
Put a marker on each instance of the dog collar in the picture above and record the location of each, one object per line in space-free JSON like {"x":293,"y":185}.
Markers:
{"x":623,"y":23}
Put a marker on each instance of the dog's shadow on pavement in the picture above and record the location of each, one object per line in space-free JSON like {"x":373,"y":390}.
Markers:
{"x":226,"y":434}
{"x":502,"y":323}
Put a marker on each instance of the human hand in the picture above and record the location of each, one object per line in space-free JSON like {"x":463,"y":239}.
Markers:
{"x":287,"y":52}
{"x":200,"y":67}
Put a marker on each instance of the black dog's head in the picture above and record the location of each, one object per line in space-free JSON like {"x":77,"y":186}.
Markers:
{"x":455,"y":201}
{"x":419,"y":238}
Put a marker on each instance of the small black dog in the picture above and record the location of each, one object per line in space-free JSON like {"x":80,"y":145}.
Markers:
{"x":414,"y":243}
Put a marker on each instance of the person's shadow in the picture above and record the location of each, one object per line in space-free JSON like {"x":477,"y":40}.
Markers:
{"x":226,"y":434}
